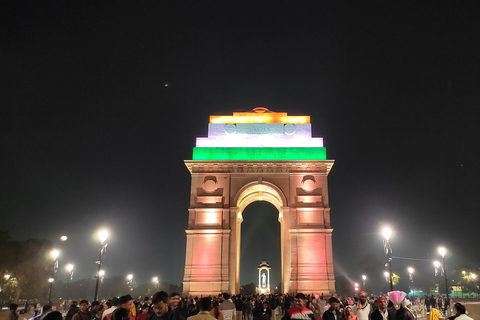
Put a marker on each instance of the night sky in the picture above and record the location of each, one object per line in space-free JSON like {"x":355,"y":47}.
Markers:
{"x":101,"y":102}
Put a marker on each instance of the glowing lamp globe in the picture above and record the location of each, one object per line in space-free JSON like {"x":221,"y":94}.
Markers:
{"x":474,"y":276}
{"x":101,"y":273}
{"x":410,"y":270}
{"x":387,"y":233}
{"x":102,"y":235}
{"x":55,"y":254}
{"x":442,"y":251}
{"x":386,"y":274}
{"x":69,"y":267}
{"x":436,"y":264}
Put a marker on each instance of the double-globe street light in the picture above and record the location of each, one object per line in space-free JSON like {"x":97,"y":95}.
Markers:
{"x":155,"y":280}
{"x":54,"y":254}
{"x":69,"y":268}
{"x":102,"y":235}
{"x":387,"y":233}
{"x":442,"y":252}
{"x":474,"y":277}
{"x":410,"y":277}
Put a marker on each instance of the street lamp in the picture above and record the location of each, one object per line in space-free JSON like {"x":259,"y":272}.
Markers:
{"x":364,"y":278}
{"x":130,"y":281}
{"x":474,"y":276}
{"x":54,"y":254}
{"x":69,"y":268}
{"x":387,"y":233}
{"x":102,"y":235}
{"x":410,"y":276}
{"x":442,"y":252}
{"x":7,"y":276}
{"x":155,"y":280}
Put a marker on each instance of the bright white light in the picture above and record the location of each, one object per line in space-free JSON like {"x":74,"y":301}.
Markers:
{"x":386,"y":274}
{"x":387,"y":233}
{"x":51,"y":280}
{"x":7,"y":276}
{"x":356,"y":284}
{"x":55,"y":254}
{"x":63,"y":238}
{"x":436,"y":264}
{"x":442,"y":251}
{"x":102,"y":235}
{"x":474,"y":276}
{"x":364,"y":277}
{"x":410,"y":270}
{"x":155,"y":279}
{"x":463,"y":272}
{"x":101,"y":273}
{"x":130,"y":277}
{"x":69,"y":267}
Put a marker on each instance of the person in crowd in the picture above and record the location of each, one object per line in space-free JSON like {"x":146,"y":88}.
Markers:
{"x":248,"y":308}
{"x":405,"y":312}
{"x":363,"y":309}
{"x":273,"y":303}
{"x":12,"y":315}
{"x":72,"y":309}
{"x":46,"y":310}
{"x":94,"y":308}
{"x":299,"y":309}
{"x":265,"y":312}
{"x":215,"y":312}
{"x":121,"y":314}
{"x":126,"y":302}
{"x":461,"y":311}
{"x":382,"y":313}
{"x":334,"y":312}
{"x":174,"y":300}
{"x":227,"y":307}
{"x":204,"y":305}
{"x":54,"y":315}
{"x":161,"y":309}
{"x":107,"y":314}
{"x":145,"y":312}
{"x":239,"y":307}
{"x":348,"y":313}
{"x":98,"y":315}
{"x":82,"y":313}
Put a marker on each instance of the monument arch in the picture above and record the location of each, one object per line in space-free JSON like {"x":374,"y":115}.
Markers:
{"x":259,"y":156}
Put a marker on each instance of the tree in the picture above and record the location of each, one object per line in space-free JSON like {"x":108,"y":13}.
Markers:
{"x":28,"y":265}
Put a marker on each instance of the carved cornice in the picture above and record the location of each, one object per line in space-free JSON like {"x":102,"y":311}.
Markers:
{"x":264,"y":166}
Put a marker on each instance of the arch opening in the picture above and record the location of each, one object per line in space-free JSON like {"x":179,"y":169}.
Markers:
{"x":260,"y":239}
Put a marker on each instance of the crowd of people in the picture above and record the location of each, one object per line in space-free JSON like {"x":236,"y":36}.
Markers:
{"x":247,"y":307}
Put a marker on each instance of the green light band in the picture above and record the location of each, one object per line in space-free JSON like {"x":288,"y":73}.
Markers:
{"x":259,"y":153}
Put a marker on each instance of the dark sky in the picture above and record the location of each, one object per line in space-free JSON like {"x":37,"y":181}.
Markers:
{"x":91,"y":136}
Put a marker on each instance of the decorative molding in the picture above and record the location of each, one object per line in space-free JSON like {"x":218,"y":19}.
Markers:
{"x":255,"y":167}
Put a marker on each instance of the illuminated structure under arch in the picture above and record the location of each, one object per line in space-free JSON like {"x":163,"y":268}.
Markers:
{"x":258,"y":156}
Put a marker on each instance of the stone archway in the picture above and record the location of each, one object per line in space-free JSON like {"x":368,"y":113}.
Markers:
{"x":242,"y":162}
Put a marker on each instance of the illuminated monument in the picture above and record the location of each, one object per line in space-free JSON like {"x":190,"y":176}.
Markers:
{"x":259,"y":156}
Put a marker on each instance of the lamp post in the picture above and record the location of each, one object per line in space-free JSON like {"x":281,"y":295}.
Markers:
{"x":387,"y":233}
{"x":155,"y":280}
{"x":474,"y":277}
{"x":54,"y":255}
{"x":130,"y":281}
{"x":69,"y":268}
{"x":364,"y":279}
{"x":102,"y":235}
{"x":410,"y":276}
{"x":442,"y":252}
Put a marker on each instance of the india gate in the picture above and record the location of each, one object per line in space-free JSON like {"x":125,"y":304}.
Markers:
{"x":259,"y":155}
